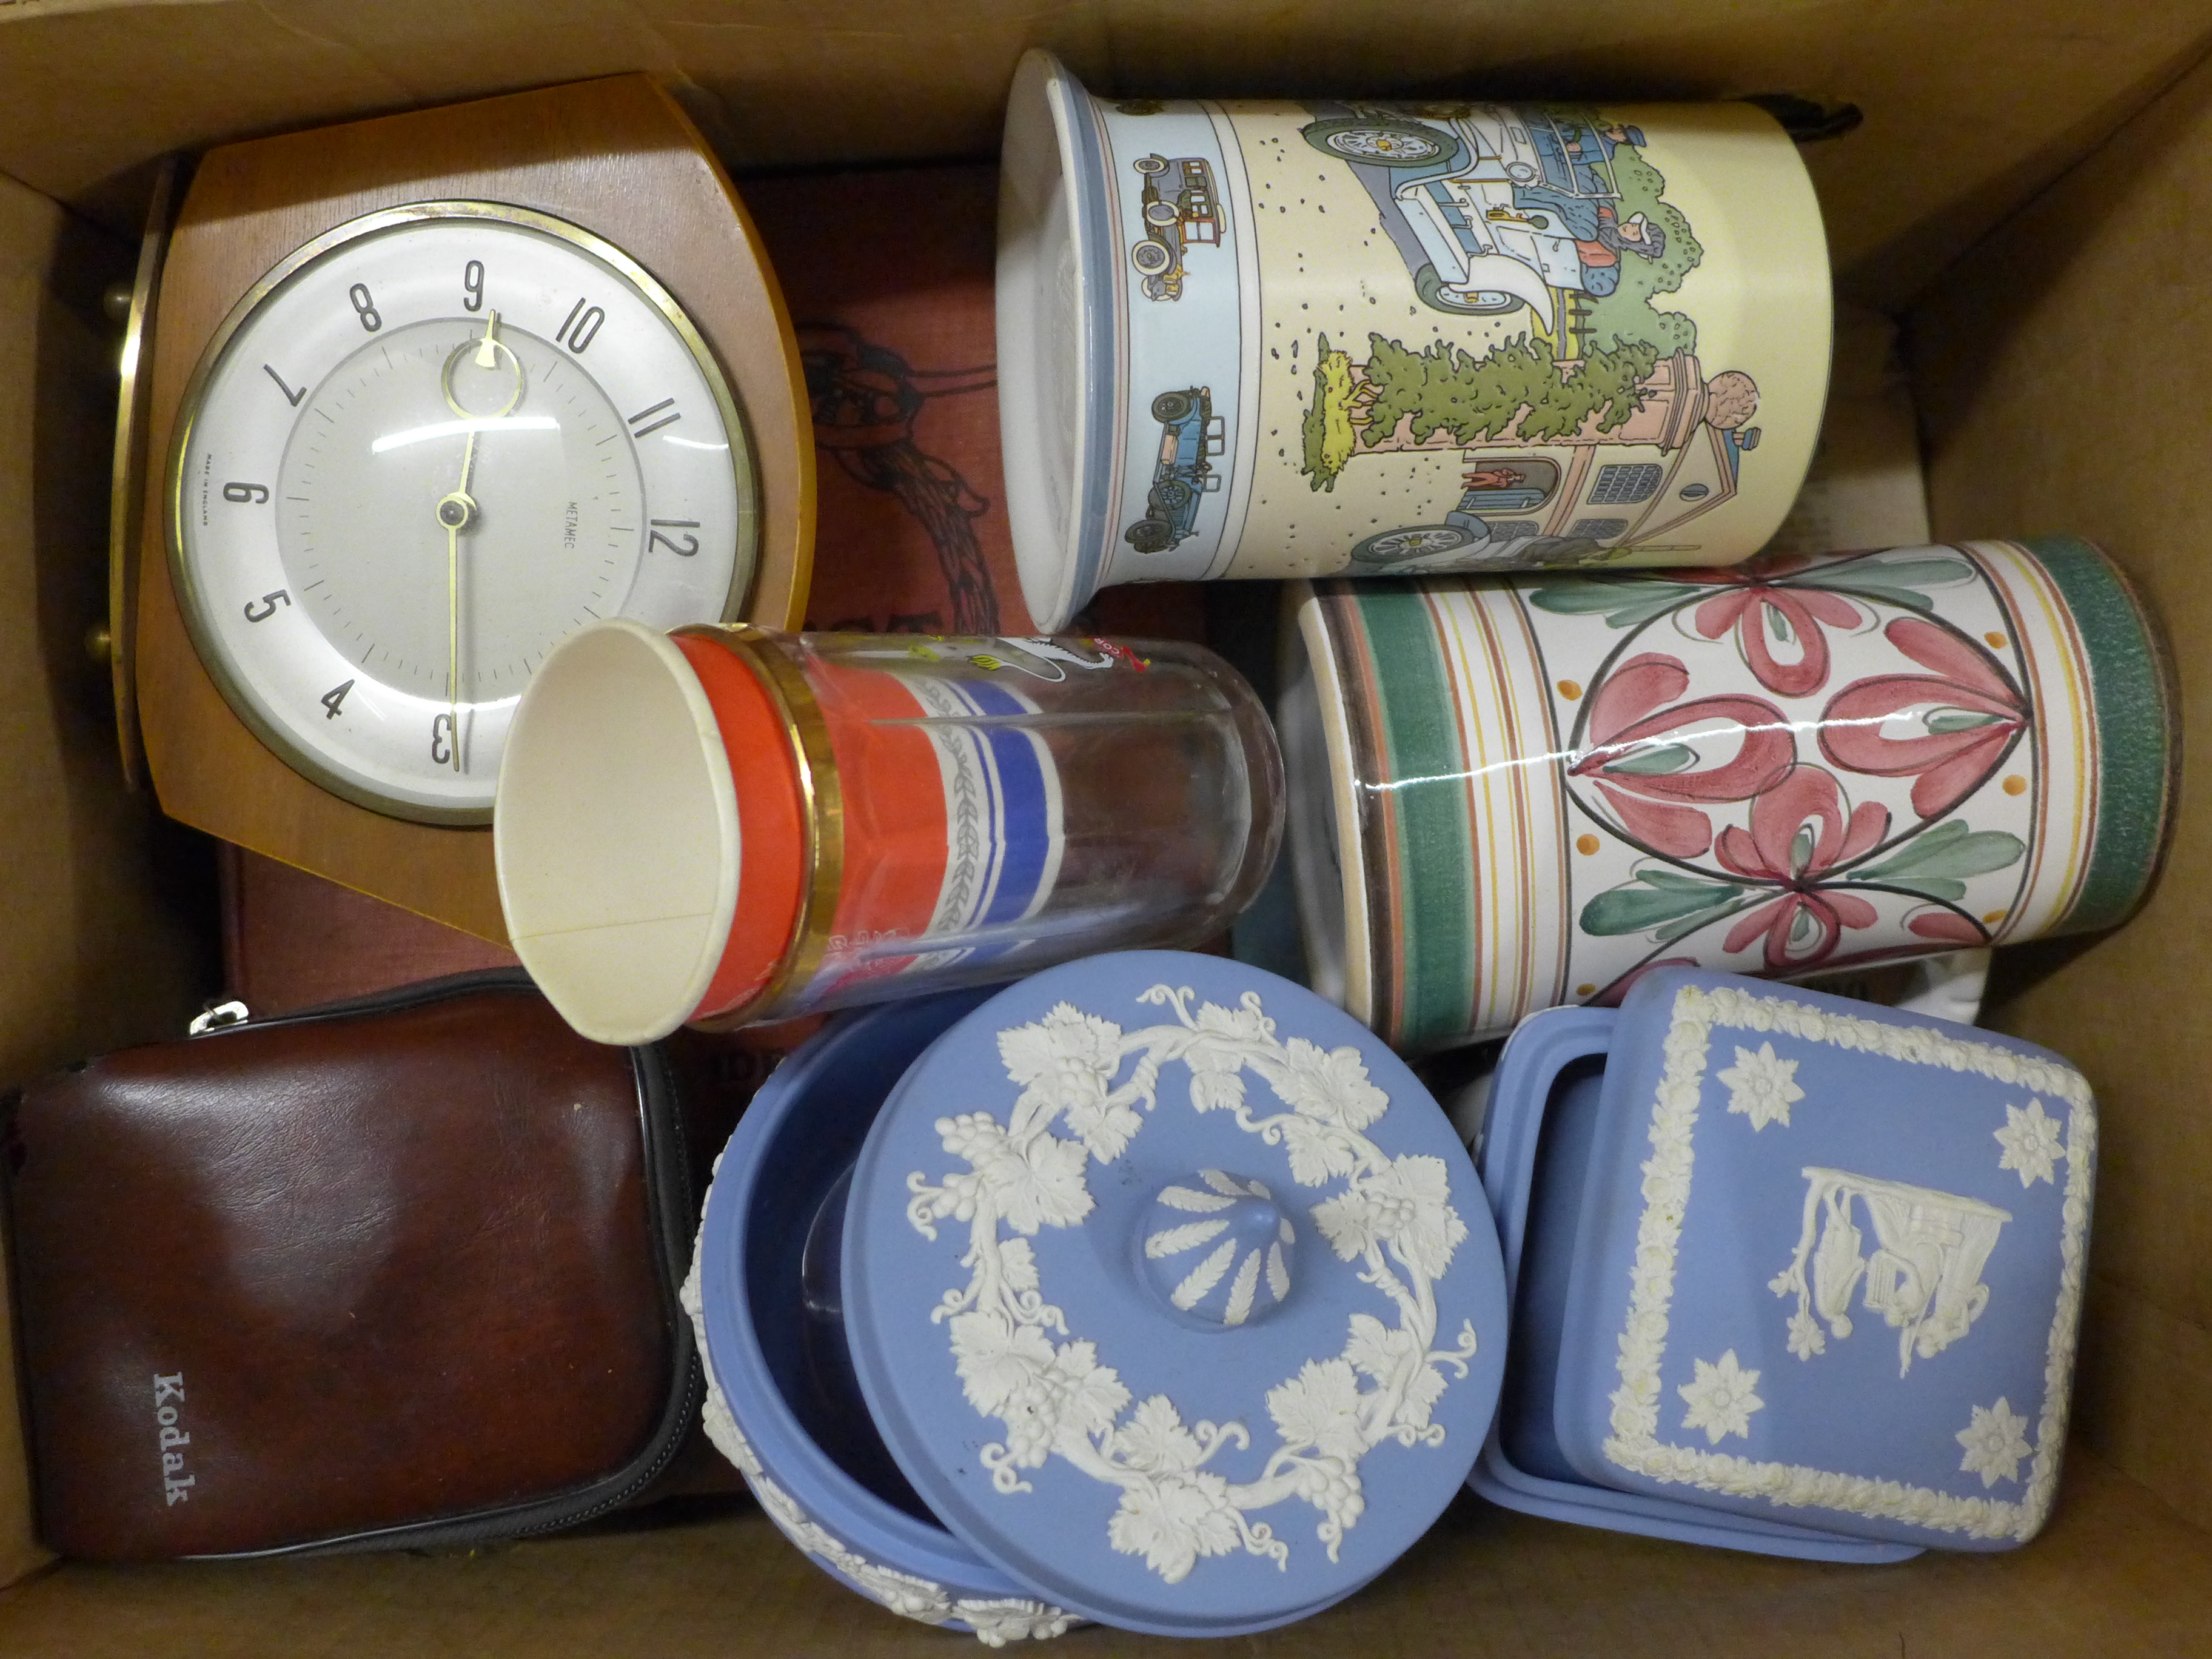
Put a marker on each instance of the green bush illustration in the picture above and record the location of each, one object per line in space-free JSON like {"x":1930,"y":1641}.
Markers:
{"x":1513,"y":387}
{"x":1627,"y":316}
{"x":1447,"y":389}
{"x":1329,"y":434}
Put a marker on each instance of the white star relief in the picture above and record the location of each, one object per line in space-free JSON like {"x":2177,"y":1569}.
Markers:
{"x":1761,"y":1086}
{"x":2031,"y":1143}
{"x":1722,"y":1398}
{"x":1994,"y":1442}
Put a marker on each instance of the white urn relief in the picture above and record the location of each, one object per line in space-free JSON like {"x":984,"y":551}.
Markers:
{"x":1923,"y":1276}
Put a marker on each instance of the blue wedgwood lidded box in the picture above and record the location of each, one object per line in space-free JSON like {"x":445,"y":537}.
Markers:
{"x":1150,"y":1290}
{"x":1790,"y":1274}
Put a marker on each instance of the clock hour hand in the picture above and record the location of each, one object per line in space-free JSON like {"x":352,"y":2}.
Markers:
{"x":487,"y":355}
{"x":490,"y":346}
{"x":452,"y":630}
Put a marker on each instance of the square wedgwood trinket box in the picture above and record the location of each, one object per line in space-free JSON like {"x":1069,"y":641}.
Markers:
{"x":1791,"y":1273}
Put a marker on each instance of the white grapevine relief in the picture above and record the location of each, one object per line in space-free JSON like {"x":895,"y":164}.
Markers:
{"x":1393,"y":1216}
{"x":1925,"y":1277}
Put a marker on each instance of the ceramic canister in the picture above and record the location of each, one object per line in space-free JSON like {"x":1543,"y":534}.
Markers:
{"x":1296,"y":339}
{"x":1151,"y":1290}
{"x":1515,"y":793}
{"x":727,"y":826}
{"x":1791,"y":1273}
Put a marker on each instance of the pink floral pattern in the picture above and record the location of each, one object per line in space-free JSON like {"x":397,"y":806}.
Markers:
{"x":1650,"y":762}
{"x":1757,"y":800}
{"x":1947,"y":928}
{"x":1762,"y":612}
{"x":1802,"y":831}
{"x":1947,"y":730}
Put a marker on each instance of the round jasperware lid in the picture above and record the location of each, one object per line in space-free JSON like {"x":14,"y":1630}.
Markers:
{"x":1173,"y":1293}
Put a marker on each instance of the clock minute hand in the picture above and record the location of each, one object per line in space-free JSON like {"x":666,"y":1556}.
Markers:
{"x":457,"y":511}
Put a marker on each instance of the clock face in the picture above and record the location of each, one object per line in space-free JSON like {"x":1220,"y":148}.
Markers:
{"x":432,"y":444}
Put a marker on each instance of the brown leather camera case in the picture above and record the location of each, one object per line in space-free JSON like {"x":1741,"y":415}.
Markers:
{"x":400,"y":1273}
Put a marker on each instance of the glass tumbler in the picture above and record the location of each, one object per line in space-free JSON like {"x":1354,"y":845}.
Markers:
{"x":725,"y":826}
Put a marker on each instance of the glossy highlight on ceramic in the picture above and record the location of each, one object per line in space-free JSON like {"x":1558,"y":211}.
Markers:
{"x":1793,"y":765}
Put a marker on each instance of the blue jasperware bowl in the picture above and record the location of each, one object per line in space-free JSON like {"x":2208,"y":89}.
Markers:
{"x":1151,"y":1290}
{"x":817,"y":1466}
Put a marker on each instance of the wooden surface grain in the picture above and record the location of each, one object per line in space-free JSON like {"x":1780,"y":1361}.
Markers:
{"x":616,"y":156}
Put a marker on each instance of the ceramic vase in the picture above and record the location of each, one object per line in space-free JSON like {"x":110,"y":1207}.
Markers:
{"x":1512,"y":794}
{"x":1270,"y":338}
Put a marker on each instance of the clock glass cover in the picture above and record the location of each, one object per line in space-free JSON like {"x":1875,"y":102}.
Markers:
{"x":429,"y":445}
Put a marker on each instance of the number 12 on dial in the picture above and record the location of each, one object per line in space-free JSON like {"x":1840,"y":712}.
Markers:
{"x":428,"y":446}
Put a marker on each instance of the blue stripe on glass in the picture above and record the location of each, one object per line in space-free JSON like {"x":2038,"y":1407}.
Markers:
{"x":1025,"y":803}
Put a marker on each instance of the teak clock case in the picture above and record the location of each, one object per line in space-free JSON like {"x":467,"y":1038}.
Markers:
{"x":616,"y":157}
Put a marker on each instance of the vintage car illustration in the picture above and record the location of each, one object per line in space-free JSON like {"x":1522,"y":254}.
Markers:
{"x":1180,"y":211}
{"x":1191,"y":435}
{"x":1496,"y":206}
{"x":1466,"y":536}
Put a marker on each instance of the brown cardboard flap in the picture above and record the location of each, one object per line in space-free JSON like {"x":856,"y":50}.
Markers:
{"x":2060,"y":378}
{"x":95,"y":955}
{"x":1971,"y":104}
{"x":2139,"y":1398}
{"x":2115,"y":1573}
{"x":2057,"y":369}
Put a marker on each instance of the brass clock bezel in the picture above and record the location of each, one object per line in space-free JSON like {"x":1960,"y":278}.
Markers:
{"x":745,"y":470}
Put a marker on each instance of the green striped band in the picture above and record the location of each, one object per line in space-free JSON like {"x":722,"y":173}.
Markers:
{"x":2138,"y":730}
{"x":1424,"y":876}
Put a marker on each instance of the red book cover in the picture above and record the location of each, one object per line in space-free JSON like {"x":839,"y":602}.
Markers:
{"x":889,"y":277}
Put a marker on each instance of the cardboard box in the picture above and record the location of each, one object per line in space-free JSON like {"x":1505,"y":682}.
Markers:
{"x":2024,"y":196}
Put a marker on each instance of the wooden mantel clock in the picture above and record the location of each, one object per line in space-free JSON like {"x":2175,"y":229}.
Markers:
{"x":428,"y":393}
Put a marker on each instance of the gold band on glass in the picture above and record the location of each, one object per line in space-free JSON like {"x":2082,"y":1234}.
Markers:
{"x":822,"y":804}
